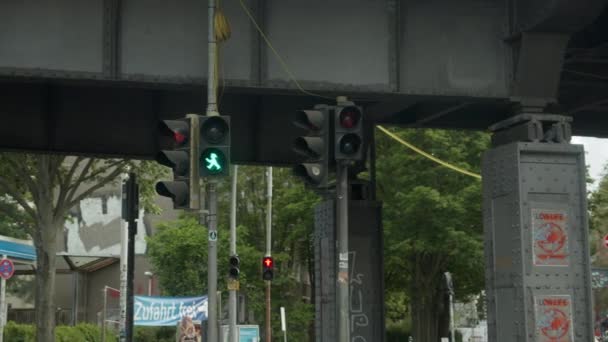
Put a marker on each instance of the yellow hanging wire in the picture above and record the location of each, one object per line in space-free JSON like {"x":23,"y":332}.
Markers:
{"x":278,"y":56}
{"x":427,"y":155}
{"x":393,"y":136}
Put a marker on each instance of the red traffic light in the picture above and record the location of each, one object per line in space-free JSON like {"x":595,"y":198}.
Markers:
{"x":349,"y":117}
{"x":173,"y":134}
{"x":267,"y":262}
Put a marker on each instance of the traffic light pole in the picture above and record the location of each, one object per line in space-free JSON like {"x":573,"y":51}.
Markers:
{"x":232,"y":307}
{"x":342,"y":242}
{"x":212,"y":325}
{"x":268,"y":252}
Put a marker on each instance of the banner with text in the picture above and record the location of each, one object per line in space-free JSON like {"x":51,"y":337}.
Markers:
{"x":165,"y":311}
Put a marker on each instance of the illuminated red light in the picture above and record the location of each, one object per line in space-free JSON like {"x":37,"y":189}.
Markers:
{"x":267,"y":262}
{"x":349,"y":117}
{"x":179,"y":138}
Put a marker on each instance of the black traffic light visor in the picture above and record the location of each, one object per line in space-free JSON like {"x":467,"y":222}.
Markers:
{"x":177,"y":160}
{"x":178,"y":191}
{"x":173,"y":134}
{"x":312,"y":120}
{"x":310,"y":173}
{"x":309,"y":147}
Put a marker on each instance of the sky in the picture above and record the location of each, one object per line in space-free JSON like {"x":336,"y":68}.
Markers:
{"x":596,"y":156}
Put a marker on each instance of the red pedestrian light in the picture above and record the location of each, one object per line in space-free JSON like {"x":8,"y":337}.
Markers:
{"x":267,"y":273}
{"x":349,"y":117}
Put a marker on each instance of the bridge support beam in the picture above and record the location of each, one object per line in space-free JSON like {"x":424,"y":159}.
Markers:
{"x":536,"y":235}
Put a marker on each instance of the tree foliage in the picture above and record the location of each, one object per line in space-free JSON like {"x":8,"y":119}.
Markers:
{"x":179,"y":254}
{"x":46,"y":187}
{"x":432,"y":222}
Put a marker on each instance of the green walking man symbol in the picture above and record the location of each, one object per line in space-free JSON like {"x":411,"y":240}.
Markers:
{"x":213,"y":162}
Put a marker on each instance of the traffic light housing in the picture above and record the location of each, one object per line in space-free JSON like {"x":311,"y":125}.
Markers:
{"x":234,"y":270}
{"x":348,"y":120}
{"x":174,"y":152}
{"x":268,"y":268}
{"x":214,"y":160}
{"x":315,"y":146}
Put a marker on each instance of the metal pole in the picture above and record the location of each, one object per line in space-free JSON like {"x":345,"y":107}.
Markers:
{"x":342,"y":248}
{"x":211,"y":64}
{"x":268,"y":252}
{"x":103,"y":314}
{"x":283,"y":324}
{"x":130,"y":276}
{"x":233,"y":336}
{"x":2,"y":305}
{"x":212,"y":326}
{"x":124,"y":237}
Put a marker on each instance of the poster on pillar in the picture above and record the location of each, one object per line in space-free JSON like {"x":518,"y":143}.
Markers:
{"x":553,"y":317}
{"x":550,"y":237}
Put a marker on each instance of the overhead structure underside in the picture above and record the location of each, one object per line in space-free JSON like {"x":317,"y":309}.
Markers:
{"x":95,"y":77}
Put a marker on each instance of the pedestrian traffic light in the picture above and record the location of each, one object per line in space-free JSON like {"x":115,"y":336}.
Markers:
{"x":267,"y":265}
{"x":348,"y":132}
{"x":174,"y":152}
{"x":315,"y":146}
{"x":234,"y":271}
{"x":214,"y":146}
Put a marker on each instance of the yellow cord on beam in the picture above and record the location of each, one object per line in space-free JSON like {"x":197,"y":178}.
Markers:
{"x":294,"y":80}
{"x":427,"y":155}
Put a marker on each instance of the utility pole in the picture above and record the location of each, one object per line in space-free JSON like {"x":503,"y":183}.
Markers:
{"x":232,"y":307}
{"x":268,"y":252}
{"x":342,"y":248}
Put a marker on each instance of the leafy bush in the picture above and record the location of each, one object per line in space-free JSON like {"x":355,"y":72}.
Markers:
{"x":68,"y":334}
{"x":154,"y":334}
{"x":19,"y":332}
{"x":83,"y":332}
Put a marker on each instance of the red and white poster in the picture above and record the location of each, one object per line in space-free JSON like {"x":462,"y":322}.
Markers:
{"x":550,"y":237}
{"x":553,"y":317}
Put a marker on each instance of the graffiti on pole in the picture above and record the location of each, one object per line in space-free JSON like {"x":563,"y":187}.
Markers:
{"x":550,"y":237}
{"x":553,"y":317}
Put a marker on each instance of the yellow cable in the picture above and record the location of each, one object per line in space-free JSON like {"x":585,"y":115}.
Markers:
{"x":278,"y":56}
{"x":421,"y":152}
{"x":294,"y":80}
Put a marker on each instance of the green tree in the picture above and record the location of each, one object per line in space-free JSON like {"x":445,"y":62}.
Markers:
{"x":432,"y":223}
{"x":46,"y":187}
{"x":178,"y":249}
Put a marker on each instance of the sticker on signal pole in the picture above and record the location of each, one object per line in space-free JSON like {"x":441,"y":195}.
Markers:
{"x":553,"y":316}
{"x":213,"y":235}
{"x":550,"y":237}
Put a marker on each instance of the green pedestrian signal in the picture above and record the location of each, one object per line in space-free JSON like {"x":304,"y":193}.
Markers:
{"x":214,"y":146}
{"x":213,"y":161}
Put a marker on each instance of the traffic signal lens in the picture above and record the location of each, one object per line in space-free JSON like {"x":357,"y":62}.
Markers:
{"x":350,"y":144}
{"x":268,"y":262}
{"x":350,"y":117}
{"x":214,"y":130}
{"x":213,"y":160}
{"x":179,"y":138}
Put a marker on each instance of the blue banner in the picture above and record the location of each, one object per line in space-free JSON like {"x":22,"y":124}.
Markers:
{"x":160,"y":311}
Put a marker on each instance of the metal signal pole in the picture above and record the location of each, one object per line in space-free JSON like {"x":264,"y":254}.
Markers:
{"x":232,"y":307}
{"x":342,"y":242}
{"x":268,"y":252}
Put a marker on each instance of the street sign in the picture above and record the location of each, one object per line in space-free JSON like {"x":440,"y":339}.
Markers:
{"x":605,"y":241}
{"x":213,"y":235}
{"x":233,"y":284}
{"x":7,"y":269}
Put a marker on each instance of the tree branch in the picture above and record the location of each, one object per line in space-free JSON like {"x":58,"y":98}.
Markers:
{"x":99,"y":184}
{"x":71,"y":189}
{"x":14,"y":193}
{"x":65,"y":182}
